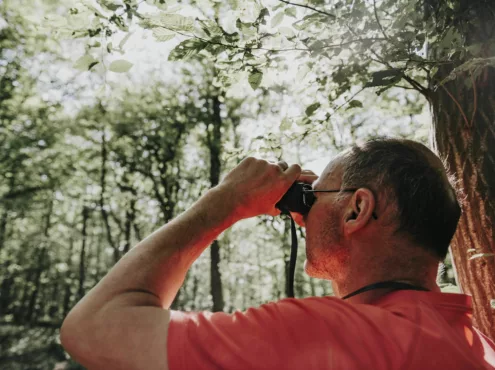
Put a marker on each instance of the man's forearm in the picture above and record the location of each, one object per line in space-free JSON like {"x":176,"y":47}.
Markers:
{"x":158,"y":264}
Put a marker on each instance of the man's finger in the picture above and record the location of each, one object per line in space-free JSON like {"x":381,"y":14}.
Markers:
{"x":308,"y":178}
{"x":293,"y":172}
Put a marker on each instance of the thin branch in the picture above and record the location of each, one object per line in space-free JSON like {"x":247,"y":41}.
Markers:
{"x":423,"y":90}
{"x":417,"y":86}
{"x":302,"y":136}
{"x":277,"y":50}
{"x":348,"y":100}
{"x":406,"y":87}
{"x":309,"y":7}
{"x":378,"y":21}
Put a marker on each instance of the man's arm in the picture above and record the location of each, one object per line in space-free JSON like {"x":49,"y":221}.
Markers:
{"x":122,"y":322}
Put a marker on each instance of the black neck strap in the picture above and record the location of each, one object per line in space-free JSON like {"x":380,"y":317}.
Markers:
{"x":293,"y":259}
{"x":395,"y":285}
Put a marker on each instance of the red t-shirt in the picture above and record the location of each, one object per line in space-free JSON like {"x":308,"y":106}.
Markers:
{"x":402,"y":330}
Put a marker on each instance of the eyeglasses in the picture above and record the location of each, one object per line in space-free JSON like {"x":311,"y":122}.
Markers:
{"x":309,"y":198}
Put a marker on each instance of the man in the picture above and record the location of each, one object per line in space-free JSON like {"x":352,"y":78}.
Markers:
{"x":391,"y":221}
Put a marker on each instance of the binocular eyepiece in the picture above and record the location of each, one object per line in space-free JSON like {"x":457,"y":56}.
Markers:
{"x":297,"y":199}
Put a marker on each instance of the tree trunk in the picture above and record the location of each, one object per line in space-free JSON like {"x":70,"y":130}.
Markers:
{"x":68,"y":282}
{"x":464,"y":133}
{"x":104,"y":213}
{"x":3,"y":226}
{"x":82,"y":255}
{"x":130,"y":215}
{"x":215,"y":145}
{"x":30,"y":317}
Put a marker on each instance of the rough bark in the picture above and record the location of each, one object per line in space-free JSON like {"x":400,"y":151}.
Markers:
{"x":214,"y":139}
{"x":467,"y":142}
{"x":464,"y":135}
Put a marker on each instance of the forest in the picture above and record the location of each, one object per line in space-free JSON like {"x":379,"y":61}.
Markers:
{"x":117,"y":115}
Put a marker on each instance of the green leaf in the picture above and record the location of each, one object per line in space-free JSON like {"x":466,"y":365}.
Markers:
{"x":85,"y":62}
{"x":187,"y":49}
{"x":119,"y":22}
{"x":175,"y":22}
{"x":291,"y":12}
{"x":316,"y":46}
{"x":287,"y":32}
{"x":161,"y":34}
{"x":124,"y":40}
{"x":263,"y":13}
{"x":120,"y":66}
{"x":285,"y":124}
{"x":302,"y":72}
{"x":354,"y":104}
{"x":90,"y":6}
{"x":277,"y":19}
{"x":479,"y":255}
{"x":255,"y":78}
{"x":311,"y":109}
{"x":385,"y":77}
{"x":160,"y":4}
{"x":110,"y":5}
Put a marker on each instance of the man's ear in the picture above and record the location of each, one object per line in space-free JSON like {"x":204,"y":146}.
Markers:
{"x":360,"y":211}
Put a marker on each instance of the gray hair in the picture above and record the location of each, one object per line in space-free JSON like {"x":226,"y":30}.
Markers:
{"x":411,"y":176}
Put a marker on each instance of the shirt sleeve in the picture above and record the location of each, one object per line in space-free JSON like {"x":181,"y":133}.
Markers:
{"x":241,"y":340}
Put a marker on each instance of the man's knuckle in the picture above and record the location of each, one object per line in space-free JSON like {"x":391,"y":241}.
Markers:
{"x":250,"y":159}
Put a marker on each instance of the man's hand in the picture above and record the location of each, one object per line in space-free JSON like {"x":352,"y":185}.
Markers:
{"x":308,"y":177}
{"x":257,"y":185}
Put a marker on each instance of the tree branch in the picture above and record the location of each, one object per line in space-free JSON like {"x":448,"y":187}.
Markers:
{"x":423,"y":90}
{"x":310,"y":8}
{"x":378,"y":21}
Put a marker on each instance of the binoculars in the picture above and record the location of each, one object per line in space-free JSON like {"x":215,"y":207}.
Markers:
{"x":298,"y":199}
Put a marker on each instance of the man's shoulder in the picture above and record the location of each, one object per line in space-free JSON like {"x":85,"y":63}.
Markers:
{"x":315,"y":309}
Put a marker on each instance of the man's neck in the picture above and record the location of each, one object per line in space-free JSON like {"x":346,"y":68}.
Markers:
{"x":345,"y":288}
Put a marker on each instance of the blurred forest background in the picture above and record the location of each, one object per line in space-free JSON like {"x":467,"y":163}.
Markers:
{"x":117,"y":115}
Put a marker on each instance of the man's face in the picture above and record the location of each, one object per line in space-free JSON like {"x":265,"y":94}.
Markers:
{"x":326,"y":256}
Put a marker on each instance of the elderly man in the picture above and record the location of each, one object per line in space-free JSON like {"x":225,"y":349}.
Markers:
{"x":383,"y":218}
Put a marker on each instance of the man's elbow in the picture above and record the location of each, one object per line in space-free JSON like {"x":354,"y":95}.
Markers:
{"x":77,"y":342}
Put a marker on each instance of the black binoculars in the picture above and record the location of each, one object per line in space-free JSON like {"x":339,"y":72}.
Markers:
{"x":298,"y":199}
